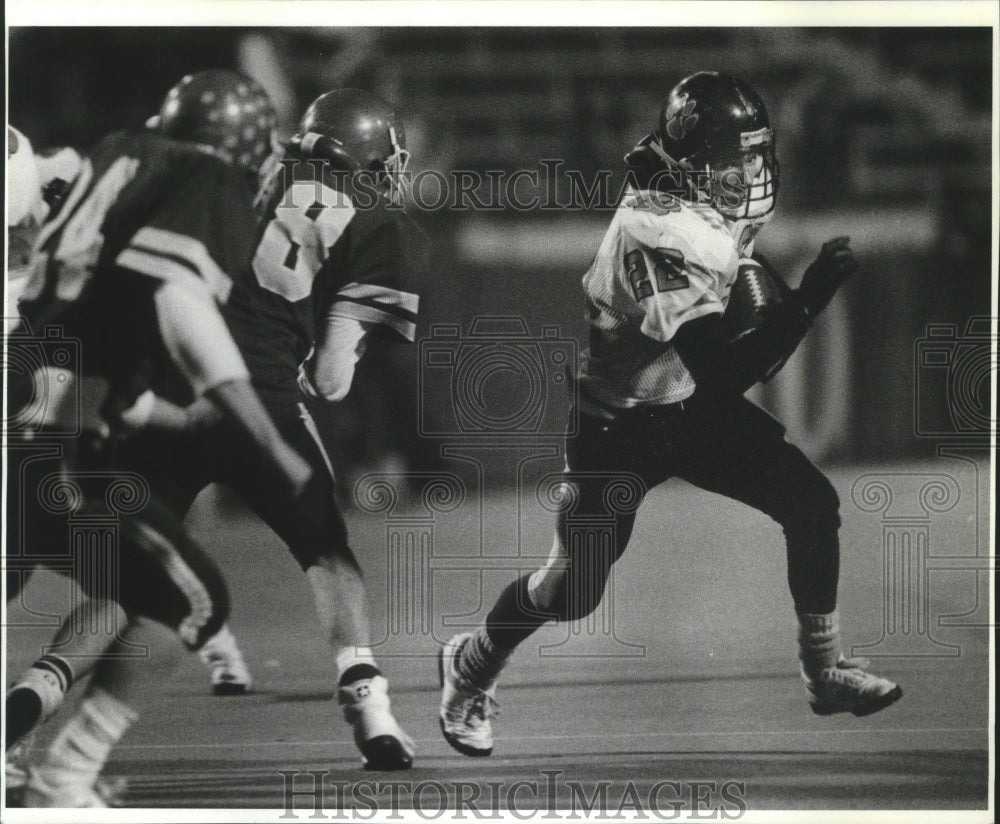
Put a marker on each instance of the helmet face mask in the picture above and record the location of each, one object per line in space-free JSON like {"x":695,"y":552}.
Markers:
{"x":751,"y":184}
{"x":394,"y":167}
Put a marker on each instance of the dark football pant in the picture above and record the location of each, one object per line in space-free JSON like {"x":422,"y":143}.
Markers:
{"x":178,"y":466}
{"x":100,"y":528}
{"x":728,"y":446}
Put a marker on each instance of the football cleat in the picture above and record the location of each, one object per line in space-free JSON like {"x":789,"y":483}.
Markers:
{"x":465,"y":710}
{"x":847,"y":687}
{"x":229,"y":672}
{"x":382,"y":742}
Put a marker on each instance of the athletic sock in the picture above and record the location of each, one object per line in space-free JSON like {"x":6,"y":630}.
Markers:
{"x":81,"y":748}
{"x":36,"y":695}
{"x":480,"y":660}
{"x":355,"y":664}
{"x":819,"y":641}
{"x":220,"y":647}
{"x":514,"y":616}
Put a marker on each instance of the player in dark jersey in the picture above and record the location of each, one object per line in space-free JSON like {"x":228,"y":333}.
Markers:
{"x":300,"y":317}
{"x":332,"y":266}
{"x":132,"y":265}
{"x":660,"y":395}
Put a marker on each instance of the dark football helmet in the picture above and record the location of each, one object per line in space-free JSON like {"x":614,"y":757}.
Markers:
{"x":225,"y":111}
{"x":714,"y":131}
{"x":356,"y":131}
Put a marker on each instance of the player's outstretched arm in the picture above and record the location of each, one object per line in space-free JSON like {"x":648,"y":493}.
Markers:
{"x":150,"y":410}
{"x":199,"y":343}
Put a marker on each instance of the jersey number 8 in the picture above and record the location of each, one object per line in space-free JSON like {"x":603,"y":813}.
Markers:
{"x":307,"y":222}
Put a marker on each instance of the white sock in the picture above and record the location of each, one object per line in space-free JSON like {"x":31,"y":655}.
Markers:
{"x":819,"y":641}
{"x":81,"y":748}
{"x":50,"y":677}
{"x":221,"y":646}
{"x":354,"y":656}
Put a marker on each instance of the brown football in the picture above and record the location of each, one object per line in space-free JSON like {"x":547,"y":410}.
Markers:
{"x":755,"y":290}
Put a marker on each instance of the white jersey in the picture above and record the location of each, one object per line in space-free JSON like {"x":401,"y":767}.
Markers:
{"x":662,"y":262}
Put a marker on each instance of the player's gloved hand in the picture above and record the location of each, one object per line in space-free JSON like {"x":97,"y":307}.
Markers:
{"x":834,"y":265}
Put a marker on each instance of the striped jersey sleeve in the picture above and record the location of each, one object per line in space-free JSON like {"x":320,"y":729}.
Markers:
{"x":377,"y":272}
{"x":201,"y":235}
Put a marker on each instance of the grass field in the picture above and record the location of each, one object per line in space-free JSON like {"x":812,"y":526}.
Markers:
{"x":688,"y":676}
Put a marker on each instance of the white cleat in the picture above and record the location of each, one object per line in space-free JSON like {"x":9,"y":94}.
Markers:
{"x":465,"y":710}
{"x":847,"y":687}
{"x":383,"y":743}
{"x":230,"y":675}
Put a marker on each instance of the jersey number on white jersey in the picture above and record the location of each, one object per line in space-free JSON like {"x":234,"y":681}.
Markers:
{"x":668,"y":269}
{"x":80,"y":222}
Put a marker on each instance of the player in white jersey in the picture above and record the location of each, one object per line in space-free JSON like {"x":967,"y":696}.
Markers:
{"x":33,"y":183}
{"x":661,"y":396}
{"x":663,"y":262}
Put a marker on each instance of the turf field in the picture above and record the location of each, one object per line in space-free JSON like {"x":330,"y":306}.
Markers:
{"x":685,"y":688}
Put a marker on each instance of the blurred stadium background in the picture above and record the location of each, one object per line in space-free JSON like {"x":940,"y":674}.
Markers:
{"x":883,"y":134}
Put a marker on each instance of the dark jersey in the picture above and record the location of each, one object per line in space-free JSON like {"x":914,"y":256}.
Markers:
{"x":144,"y":211}
{"x":322,"y":253}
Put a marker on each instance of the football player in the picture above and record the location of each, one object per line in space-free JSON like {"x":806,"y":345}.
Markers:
{"x":133,"y":263}
{"x":331,"y":267}
{"x":329,"y":270}
{"x":661,"y":395}
{"x":34,"y":183}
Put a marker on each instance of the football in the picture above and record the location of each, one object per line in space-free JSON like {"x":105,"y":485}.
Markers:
{"x":754,"y":292}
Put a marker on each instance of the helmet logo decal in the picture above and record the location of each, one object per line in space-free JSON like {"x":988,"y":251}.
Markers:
{"x":682,"y":117}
